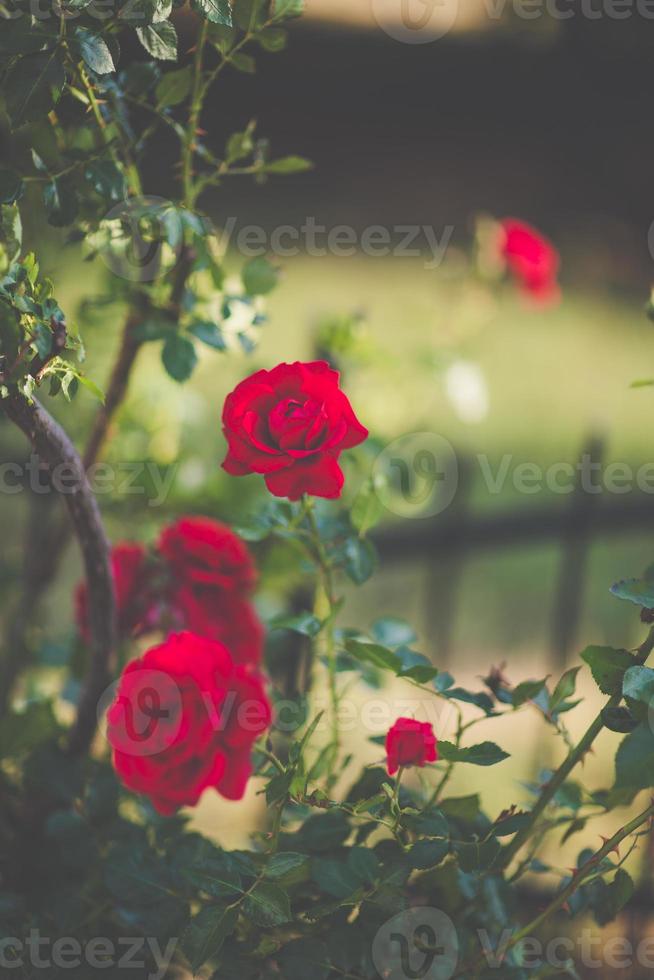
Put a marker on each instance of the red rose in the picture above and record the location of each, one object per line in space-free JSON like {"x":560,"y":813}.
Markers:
{"x":128,"y":562}
{"x":202,"y":551}
{"x":184,"y":719}
{"x":210,"y":572}
{"x":532,"y":259}
{"x":410,"y":743}
{"x":220,"y":616}
{"x":291,"y":424}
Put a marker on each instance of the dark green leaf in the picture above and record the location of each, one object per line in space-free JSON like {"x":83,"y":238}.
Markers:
{"x":428,"y":853}
{"x":619,"y":719}
{"x":360,"y":559}
{"x":484,"y":754}
{"x":477,"y":855}
{"x":612,"y":897}
{"x":608,"y":667}
{"x":373,"y":653}
{"x":285,"y":863}
{"x":267,"y":905}
{"x":526,"y":691}
{"x":106,"y":179}
{"x":94,"y":51}
{"x":564,"y":689}
{"x":259,"y":276}
{"x":33,"y":86}
{"x":638,"y":685}
{"x":305,"y":623}
{"x":179,"y":357}
{"x":209,"y":334}
{"x":174,"y":86}
{"x":21,"y":36}
{"x":303,"y":959}
{"x":206,"y":933}
{"x":634,"y":761}
{"x":11,"y":187}
{"x":60,"y":200}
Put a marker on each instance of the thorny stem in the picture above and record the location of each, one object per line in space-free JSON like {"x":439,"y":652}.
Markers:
{"x":580,"y":875}
{"x":573,"y":758}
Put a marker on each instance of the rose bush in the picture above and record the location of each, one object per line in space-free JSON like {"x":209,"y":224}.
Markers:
{"x":346,"y":858}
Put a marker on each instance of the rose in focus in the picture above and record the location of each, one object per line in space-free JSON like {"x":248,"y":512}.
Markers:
{"x":291,"y":424}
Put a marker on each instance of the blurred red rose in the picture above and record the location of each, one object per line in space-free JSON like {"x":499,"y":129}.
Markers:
{"x":291,"y":424}
{"x":133,"y":599}
{"x":202,"y":551}
{"x":210,"y":574}
{"x":184,"y":719}
{"x":532,"y":259}
{"x":410,"y":743}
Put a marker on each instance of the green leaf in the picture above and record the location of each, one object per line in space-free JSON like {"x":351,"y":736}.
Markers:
{"x":33,"y":86}
{"x":21,"y":36}
{"x":526,"y":691}
{"x":637,"y":590}
{"x":305,"y":623}
{"x":288,"y":8}
{"x":209,"y":333}
{"x":60,"y":200}
{"x":367,"y":509}
{"x":159,"y":40}
{"x":564,"y":689}
{"x":477,"y":855}
{"x":484,"y":754}
{"x":607,"y":667}
{"x":239,"y":146}
{"x":206,"y":933}
{"x":391,"y":631}
{"x":11,"y":187}
{"x":334,"y":878}
{"x":259,"y":276}
{"x":94,"y":51}
{"x":106,"y":179}
{"x":288,"y":165}
{"x":273,"y":39}
{"x":174,"y":86}
{"x":22,"y":730}
{"x":267,"y":905}
{"x":373,"y":653}
{"x":216,"y":11}
{"x":619,"y":719}
{"x":285,"y":863}
{"x":179,"y":357}
{"x":248,"y":14}
{"x":243,"y":62}
{"x":612,"y":897}
{"x":634,"y":761}
{"x":360,"y":559}
{"x":638,"y":684}
{"x":428,"y":853}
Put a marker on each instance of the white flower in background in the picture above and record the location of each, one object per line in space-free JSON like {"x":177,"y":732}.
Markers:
{"x":467,"y":391}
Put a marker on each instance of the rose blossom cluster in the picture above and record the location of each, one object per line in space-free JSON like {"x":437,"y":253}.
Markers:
{"x":198,"y":579}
